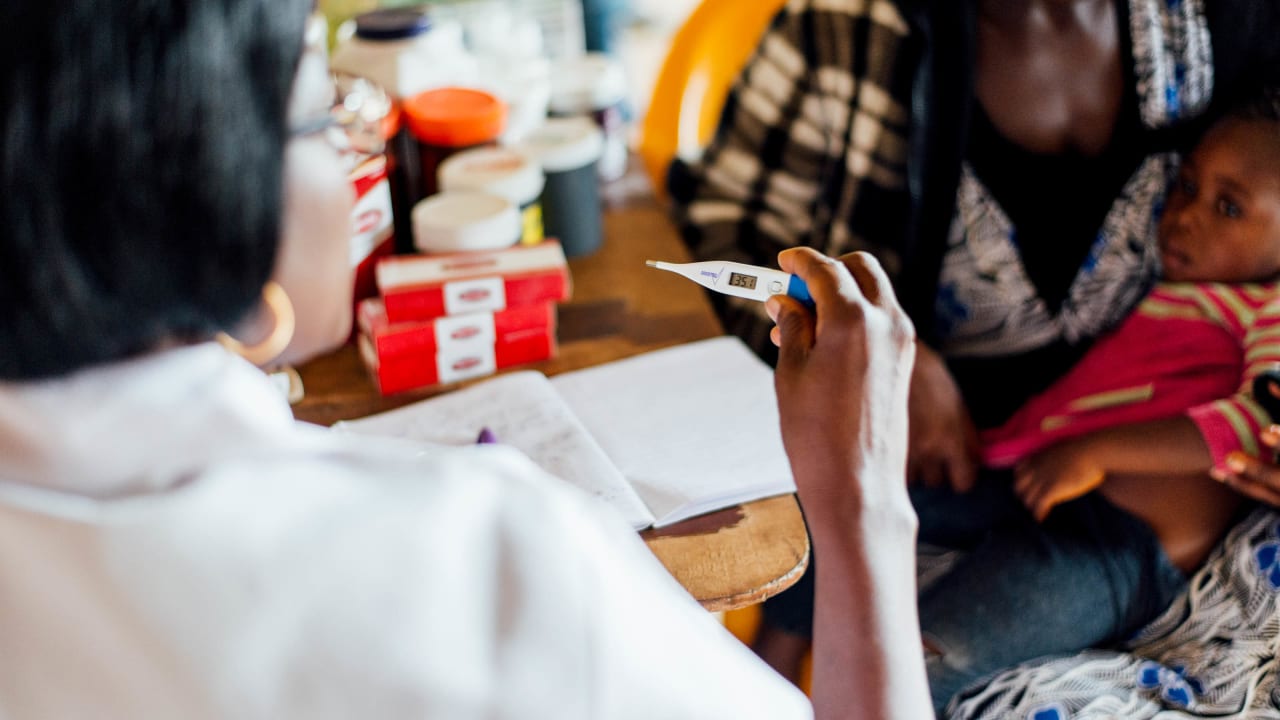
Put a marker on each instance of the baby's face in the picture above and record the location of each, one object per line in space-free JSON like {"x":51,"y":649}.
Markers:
{"x":1222,"y":219}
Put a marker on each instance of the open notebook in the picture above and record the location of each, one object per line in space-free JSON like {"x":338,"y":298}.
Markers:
{"x":660,"y":437}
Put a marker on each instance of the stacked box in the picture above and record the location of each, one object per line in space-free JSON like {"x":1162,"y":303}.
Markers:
{"x":403,"y":356}
{"x":422,"y":287}
{"x":372,"y":234}
{"x":451,"y":317}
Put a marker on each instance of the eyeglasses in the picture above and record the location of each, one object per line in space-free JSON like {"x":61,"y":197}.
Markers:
{"x":354,"y":123}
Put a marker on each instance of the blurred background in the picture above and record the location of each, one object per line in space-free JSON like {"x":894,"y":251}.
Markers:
{"x":635,"y":32}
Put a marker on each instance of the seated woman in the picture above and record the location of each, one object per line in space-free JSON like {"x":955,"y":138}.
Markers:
{"x":173,"y":544}
{"x":1006,"y":162}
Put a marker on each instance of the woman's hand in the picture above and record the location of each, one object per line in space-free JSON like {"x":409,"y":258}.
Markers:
{"x":843,"y":376}
{"x":1253,"y":477}
{"x":943,"y":450}
{"x":1258,"y":478}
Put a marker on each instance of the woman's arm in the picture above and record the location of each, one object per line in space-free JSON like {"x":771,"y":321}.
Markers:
{"x":843,"y":377}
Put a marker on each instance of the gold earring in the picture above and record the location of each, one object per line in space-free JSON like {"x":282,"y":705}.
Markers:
{"x":276,"y":301}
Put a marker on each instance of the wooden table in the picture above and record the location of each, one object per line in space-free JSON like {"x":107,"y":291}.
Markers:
{"x":727,"y":559}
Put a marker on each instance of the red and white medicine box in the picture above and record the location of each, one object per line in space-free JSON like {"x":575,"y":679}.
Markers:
{"x":372,"y":234}
{"x":408,"y":371}
{"x":423,"y":287}
{"x":447,"y":335}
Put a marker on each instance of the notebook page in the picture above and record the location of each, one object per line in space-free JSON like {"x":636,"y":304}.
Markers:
{"x":523,"y":411}
{"x":694,"y":428}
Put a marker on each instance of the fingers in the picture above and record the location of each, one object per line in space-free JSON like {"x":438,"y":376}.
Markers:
{"x":831,"y":288}
{"x":1045,"y":500}
{"x":871,"y":278}
{"x":1251,"y":477}
{"x":1035,"y":496}
{"x":840,"y":287}
{"x":950,"y":471}
{"x":962,"y":473}
{"x":944,"y":458}
{"x":928,"y":473}
{"x":1022,"y":485}
{"x":827,"y":279}
{"x":793,"y":331}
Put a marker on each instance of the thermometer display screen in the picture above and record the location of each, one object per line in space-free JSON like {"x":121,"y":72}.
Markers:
{"x":743,"y":281}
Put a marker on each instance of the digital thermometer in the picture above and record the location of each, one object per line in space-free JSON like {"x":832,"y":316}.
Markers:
{"x":739,"y":279}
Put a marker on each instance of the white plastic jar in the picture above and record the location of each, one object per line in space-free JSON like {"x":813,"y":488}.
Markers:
{"x":464,"y":221}
{"x":504,"y":172}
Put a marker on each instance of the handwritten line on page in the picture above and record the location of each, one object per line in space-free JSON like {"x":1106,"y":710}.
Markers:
{"x":659,"y":437}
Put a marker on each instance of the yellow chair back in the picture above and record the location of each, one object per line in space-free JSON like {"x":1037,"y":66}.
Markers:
{"x":704,"y":59}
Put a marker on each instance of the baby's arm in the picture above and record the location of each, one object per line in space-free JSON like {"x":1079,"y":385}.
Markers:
{"x":1071,"y":468}
{"x":1187,"y":445}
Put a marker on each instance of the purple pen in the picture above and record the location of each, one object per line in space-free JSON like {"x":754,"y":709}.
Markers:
{"x":486,"y":437}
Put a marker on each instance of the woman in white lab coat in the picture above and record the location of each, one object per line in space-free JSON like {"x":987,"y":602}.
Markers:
{"x":173,"y":544}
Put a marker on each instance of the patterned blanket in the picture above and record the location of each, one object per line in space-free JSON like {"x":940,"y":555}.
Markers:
{"x":1211,"y":654}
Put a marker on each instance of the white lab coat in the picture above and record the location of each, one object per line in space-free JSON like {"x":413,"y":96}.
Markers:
{"x":174,"y":545}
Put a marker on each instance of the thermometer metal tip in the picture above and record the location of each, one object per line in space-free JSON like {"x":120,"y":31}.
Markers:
{"x":651,"y":263}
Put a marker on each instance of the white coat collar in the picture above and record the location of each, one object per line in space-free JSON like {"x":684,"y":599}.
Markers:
{"x":136,"y":426}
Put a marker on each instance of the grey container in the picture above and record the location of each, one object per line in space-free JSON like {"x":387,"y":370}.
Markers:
{"x":569,"y":149}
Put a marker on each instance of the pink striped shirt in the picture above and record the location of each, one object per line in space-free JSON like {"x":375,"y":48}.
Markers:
{"x":1189,"y":349}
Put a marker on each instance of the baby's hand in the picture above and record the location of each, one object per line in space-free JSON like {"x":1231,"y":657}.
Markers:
{"x":1061,"y":473}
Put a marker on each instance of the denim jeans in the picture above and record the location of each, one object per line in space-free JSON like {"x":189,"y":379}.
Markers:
{"x":1090,"y":575}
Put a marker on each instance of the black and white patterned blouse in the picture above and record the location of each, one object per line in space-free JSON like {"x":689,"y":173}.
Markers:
{"x":818,"y":147}
{"x":987,"y":305}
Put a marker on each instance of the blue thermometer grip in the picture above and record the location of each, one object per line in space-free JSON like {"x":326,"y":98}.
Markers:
{"x":798,"y":290}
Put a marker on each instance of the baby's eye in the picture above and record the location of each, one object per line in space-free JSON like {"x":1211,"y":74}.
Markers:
{"x":1185,"y":185}
{"x":1228,"y":208}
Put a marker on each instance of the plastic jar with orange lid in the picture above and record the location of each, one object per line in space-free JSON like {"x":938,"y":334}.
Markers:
{"x":447,"y":120}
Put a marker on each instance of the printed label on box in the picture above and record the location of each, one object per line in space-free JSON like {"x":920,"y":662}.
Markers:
{"x":478,"y":295}
{"x":459,"y":333}
{"x":370,"y":221}
{"x":462,"y":366}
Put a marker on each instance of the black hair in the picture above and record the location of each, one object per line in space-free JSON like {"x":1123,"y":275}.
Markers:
{"x":1263,"y":105}
{"x":141,"y":145}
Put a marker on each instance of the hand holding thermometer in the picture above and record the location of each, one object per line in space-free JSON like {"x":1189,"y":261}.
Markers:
{"x":740,"y":280}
